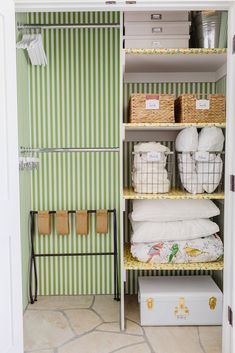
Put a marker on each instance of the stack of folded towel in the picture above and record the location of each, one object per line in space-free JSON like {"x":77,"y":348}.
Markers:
{"x":199,"y":165}
{"x":149,"y":173}
{"x":175,"y":231}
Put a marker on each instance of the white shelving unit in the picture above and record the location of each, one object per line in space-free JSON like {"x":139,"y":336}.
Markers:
{"x":169,"y":65}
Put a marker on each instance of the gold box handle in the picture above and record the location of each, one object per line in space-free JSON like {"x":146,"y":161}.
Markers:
{"x":150,"y":303}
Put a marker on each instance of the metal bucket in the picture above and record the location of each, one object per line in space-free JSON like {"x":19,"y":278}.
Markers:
{"x":211,"y":29}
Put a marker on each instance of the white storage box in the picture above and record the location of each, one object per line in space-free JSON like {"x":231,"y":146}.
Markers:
{"x":156,"y":16}
{"x":157,"y":42}
{"x":152,"y":29}
{"x":182,"y":300}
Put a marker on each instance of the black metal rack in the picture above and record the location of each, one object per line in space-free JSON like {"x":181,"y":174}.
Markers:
{"x":33,"y":267}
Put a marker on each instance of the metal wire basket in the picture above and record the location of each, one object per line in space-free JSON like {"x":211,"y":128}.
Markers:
{"x":152,"y":172}
{"x":201,"y":172}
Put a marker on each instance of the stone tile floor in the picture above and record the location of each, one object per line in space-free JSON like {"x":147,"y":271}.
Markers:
{"x":90,"y":324}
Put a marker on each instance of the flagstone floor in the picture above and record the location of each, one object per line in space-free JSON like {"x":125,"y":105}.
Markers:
{"x":90,"y":324}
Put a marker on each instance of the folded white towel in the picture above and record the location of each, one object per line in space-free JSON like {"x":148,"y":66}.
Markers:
{"x":149,"y":168}
{"x":150,"y":147}
{"x":151,"y":182}
{"x":141,"y":163}
{"x":188,"y":173}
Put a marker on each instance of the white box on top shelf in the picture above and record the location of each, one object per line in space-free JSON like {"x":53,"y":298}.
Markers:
{"x":156,"y":16}
{"x":174,"y":301}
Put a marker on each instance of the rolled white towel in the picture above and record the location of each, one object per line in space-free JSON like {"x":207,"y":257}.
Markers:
{"x":187,"y":140}
{"x":210,"y":173}
{"x":211,"y":139}
{"x":188,"y":173}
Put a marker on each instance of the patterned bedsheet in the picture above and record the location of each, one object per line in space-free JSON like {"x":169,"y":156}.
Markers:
{"x":197,"y":250}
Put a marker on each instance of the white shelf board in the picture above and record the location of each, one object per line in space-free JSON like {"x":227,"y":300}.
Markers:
{"x":167,"y":126}
{"x":155,"y":63}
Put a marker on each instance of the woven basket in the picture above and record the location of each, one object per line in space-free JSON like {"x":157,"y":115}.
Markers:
{"x":151,"y":108}
{"x":188,"y":109}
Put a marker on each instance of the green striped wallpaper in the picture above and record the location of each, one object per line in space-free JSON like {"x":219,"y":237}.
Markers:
{"x":221,"y":85}
{"x":176,"y":89}
{"x":74,"y":102}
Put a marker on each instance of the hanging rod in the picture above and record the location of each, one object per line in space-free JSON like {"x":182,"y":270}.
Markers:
{"x":68,"y":149}
{"x":66,"y":25}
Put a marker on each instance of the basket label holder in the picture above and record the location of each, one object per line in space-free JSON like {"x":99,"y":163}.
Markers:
{"x":202,"y":104}
{"x":202,"y":156}
{"x":152,"y":101}
{"x":154,"y":156}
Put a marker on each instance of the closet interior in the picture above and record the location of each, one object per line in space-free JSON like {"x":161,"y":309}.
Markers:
{"x":157,"y":72}
{"x":100,"y":129}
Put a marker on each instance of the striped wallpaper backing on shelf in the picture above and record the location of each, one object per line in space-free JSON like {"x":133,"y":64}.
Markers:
{"x":171,"y":88}
{"x":74,"y":102}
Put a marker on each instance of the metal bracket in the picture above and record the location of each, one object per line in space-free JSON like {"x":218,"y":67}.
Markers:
{"x":230,"y":316}
{"x":232,"y":183}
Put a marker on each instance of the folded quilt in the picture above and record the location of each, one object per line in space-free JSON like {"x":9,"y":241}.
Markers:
{"x":147,"y":232}
{"x":198,"y":250}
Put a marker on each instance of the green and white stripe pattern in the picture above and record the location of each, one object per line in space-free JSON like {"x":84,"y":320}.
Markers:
{"x":74,"y":102}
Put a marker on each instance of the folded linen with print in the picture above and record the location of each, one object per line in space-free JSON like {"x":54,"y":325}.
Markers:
{"x":186,"y":251}
{"x":147,"y":232}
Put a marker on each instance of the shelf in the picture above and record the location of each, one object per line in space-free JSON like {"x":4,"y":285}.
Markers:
{"x":174,"y":60}
{"x":129,"y":194}
{"x":130,"y":263}
{"x":167,"y":126}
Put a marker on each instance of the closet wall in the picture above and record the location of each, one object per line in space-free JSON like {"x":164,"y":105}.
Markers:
{"x":74,"y":102}
{"x":24,"y":140}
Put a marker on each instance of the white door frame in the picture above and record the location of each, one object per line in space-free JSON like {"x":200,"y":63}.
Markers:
{"x":11,"y":310}
{"x":120,"y":5}
{"x":99,"y":5}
